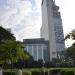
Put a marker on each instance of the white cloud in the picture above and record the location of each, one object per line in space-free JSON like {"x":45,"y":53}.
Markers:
{"x":16,"y":12}
{"x":22,"y":17}
{"x":67,"y":13}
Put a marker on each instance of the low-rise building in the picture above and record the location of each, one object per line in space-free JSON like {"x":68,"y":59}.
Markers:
{"x":38,"y":48}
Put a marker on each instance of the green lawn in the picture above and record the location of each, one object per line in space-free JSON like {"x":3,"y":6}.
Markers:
{"x":39,"y":69}
{"x":29,"y":70}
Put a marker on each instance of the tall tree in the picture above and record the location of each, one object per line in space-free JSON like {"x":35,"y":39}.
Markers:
{"x":70,"y":51}
{"x":4,"y":35}
{"x":70,"y":35}
{"x":12,"y":50}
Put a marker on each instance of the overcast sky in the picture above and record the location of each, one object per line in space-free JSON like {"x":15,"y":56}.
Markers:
{"x":67,"y":9}
{"x":24,"y":16}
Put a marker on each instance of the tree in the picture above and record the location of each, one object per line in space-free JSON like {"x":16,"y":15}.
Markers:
{"x":70,"y":51}
{"x":12,"y":50}
{"x":70,"y":35}
{"x":4,"y":35}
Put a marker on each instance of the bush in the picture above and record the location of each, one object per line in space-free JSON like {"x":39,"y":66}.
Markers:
{"x":36,"y":73}
{"x":8,"y":73}
{"x":55,"y":71}
{"x":67,"y":73}
{"x":25,"y":73}
{"x":44,"y":73}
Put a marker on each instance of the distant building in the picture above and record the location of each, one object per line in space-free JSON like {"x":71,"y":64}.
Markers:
{"x":52,"y":29}
{"x":8,"y":29}
{"x":38,"y":48}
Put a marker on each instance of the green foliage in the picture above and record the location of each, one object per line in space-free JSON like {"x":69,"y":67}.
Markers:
{"x":4,"y":34}
{"x":70,"y":51}
{"x":55,"y":71}
{"x":12,"y":50}
{"x":8,"y":73}
{"x":35,"y":73}
{"x":70,"y":54}
{"x":70,"y":35}
{"x":67,"y":73}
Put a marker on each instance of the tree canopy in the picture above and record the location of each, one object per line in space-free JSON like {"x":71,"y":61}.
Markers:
{"x":12,"y":50}
{"x":70,"y":51}
{"x":70,"y":35}
{"x":4,"y":35}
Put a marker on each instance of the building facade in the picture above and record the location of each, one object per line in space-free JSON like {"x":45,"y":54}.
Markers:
{"x":38,"y":48}
{"x":52,"y":29}
{"x":9,"y":30}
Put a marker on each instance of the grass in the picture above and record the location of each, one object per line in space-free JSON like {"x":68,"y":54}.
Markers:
{"x":29,"y":70}
{"x":39,"y":69}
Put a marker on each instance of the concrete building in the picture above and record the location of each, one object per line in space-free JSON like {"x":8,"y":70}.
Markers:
{"x":9,"y":30}
{"x":38,"y":48}
{"x":52,"y":29}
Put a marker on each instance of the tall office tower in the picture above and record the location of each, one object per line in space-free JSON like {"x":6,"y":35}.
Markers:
{"x":52,"y":29}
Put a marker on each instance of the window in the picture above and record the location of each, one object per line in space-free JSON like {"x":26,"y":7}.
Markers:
{"x":35,"y":52}
{"x":40,"y":52}
{"x":48,"y":1}
{"x":29,"y":49}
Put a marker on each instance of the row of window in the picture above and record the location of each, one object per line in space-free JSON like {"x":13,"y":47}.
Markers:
{"x":37,"y":51}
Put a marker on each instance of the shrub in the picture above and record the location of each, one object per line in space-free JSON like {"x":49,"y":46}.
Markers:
{"x":44,"y":73}
{"x":8,"y":73}
{"x":36,"y":73}
{"x":25,"y":73}
{"x":55,"y":71}
{"x":67,"y":73}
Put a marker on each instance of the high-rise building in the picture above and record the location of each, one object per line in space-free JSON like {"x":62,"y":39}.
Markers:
{"x":52,"y":29}
{"x":38,"y":48}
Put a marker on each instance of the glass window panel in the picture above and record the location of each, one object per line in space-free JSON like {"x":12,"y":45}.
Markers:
{"x":39,"y":52}
{"x":29,"y":49}
{"x":35,"y":52}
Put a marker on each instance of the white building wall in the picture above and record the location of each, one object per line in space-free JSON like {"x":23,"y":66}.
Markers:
{"x":52,"y":40}
{"x":48,"y":27}
{"x":44,"y":28}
